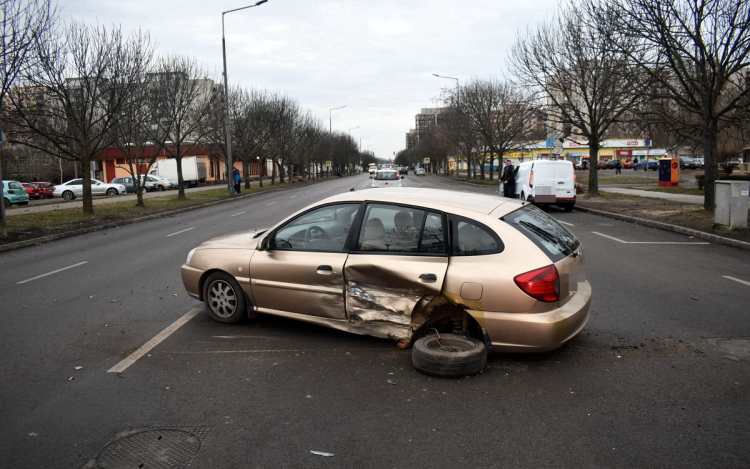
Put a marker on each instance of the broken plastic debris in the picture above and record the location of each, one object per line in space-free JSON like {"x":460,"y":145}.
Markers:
{"x":78,"y":368}
{"x":391,"y":382}
{"x":70,"y":378}
{"x":321,"y":453}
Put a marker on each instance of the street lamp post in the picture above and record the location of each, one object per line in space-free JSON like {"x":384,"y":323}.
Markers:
{"x":260,"y":172}
{"x":458,"y":104}
{"x":230,"y":163}
{"x":330,"y":134}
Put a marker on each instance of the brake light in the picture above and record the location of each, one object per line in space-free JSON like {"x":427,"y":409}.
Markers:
{"x":575,"y":177}
{"x":541,"y":284}
{"x":531,"y":179}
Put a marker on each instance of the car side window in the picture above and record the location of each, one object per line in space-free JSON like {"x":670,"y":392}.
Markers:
{"x":322,"y":229}
{"x":471,"y":238}
{"x":400,"y":229}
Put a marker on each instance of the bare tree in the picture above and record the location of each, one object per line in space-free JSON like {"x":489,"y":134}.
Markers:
{"x":184,"y":98}
{"x":588,"y":85}
{"x":25,"y":25}
{"x":75,"y":93}
{"x":695,"y":51}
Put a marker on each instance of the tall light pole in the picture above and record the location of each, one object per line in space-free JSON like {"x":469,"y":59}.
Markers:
{"x":360,"y":143}
{"x":230,"y":163}
{"x":458,"y":104}
{"x":330,"y":133}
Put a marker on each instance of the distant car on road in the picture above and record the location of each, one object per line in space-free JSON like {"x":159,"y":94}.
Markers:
{"x":687,"y":163}
{"x":45,"y":188}
{"x":130,"y":184}
{"x":386,"y":178}
{"x":652,"y":164}
{"x":74,"y":188}
{"x":14,"y":194}
{"x":33,"y":191}
{"x":419,"y":172}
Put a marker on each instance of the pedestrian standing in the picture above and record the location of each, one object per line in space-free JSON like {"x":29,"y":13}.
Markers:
{"x":618,"y":167}
{"x":237,"y":181}
{"x":509,"y":180}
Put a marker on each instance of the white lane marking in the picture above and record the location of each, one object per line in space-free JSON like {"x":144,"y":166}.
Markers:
{"x":53,"y":272}
{"x":292,"y":196}
{"x":145,"y":348}
{"x":736,"y":280}
{"x":180,"y":232}
{"x":648,"y":242}
{"x":564,"y":222}
{"x":238,"y":214}
{"x":271,"y":203}
{"x":210,"y":352}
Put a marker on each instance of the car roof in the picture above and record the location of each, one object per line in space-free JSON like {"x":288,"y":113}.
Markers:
{"x":449,"y":201}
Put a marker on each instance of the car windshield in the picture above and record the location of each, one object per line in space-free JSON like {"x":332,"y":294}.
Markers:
{"x":553,"y":238}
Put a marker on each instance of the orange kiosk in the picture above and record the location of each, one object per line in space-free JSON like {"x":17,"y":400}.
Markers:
{"x":669,"y":172}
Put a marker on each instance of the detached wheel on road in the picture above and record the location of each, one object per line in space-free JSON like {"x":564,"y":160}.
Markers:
{"x":449,"y":355}
{"x":68,"y":195}
{"x":224,"y":298}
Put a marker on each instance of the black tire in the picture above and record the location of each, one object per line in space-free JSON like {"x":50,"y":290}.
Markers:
{"x":7,"y":203}
{"x":161,"y":189}
{"x":112,"y":191}
{"x":449,"y":356}
{"x":68,"y":195}
{"x":568,"y":208}
{"x":224,"y":298}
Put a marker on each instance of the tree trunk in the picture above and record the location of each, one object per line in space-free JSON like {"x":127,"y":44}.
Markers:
{"x":710,"y":138}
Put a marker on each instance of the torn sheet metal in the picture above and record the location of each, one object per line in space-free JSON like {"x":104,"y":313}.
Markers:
{"x":368,"y":303}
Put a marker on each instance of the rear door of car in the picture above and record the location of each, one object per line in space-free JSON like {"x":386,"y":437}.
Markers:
{"x":396,"y":265}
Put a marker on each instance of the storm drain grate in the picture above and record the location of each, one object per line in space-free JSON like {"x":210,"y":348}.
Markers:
{"x":153,"y":448}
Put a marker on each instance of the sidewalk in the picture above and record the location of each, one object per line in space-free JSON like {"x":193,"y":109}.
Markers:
{"x":682,"y":198}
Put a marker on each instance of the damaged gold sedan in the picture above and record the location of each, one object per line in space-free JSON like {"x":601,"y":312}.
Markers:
{"x":454,"y":275}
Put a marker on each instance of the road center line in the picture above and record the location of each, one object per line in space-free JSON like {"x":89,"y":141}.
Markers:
{"x":647,"y":242}
{"x":238,"y":214}
{"x":736,"y":280}
{"x":53,"y":272}
{"x":148,"y":346}
{"x":292,"y":196}
{"x":180,"y":232}
{"x":564,"y":223}
{"x":271,"y":203}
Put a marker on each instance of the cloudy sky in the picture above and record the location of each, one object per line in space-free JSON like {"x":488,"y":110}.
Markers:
{"x":376,"y":57}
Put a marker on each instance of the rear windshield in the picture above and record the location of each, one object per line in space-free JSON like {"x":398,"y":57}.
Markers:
{"x":387,"y":176}
{"x":544,"y":231}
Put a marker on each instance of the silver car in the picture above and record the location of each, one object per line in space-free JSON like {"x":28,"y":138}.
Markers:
{"x":74,"y":188}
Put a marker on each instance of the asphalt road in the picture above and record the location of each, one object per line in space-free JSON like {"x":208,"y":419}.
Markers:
{"x":658,"y":378}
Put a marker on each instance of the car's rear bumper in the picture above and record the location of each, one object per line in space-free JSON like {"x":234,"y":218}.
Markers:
{"x":537,"y":332}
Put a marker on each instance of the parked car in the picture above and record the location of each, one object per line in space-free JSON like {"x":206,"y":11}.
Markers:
{"x":14,"y":194}
{"x":129,"y":184}
{"x":386,"y":178}
{"x":32,"y":190}
{"x":46,"y":188}
{"x":687,"y":163}
{"x":161,"y":183}
{"x":418,"y":266}
{"x":628,"y":164}
{"x":546,"y":182}
{"x":583,"y":164}
{"x":652,"y":164}
{"x":700,"y":162}
{"x":419,"y":172}
{"x":601,"y":165}
{"x":74,"y":188}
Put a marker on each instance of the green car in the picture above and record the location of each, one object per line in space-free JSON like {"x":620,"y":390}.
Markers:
{"x":14,"y":193}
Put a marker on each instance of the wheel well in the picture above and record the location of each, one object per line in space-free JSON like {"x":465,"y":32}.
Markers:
{"x":451,"y":319}
{"x":208,"y":273}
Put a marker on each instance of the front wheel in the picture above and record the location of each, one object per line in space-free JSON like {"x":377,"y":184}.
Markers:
{"x":224,"y":298}
{"x":112,"y":191}
{"x":68,"y":195}
{"x":449,"y":355}
{"x":161,"y":189}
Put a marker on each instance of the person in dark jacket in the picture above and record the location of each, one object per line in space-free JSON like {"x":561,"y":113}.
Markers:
{"x":509,"y":180}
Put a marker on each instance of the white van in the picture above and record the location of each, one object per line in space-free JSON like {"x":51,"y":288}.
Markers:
{"x":547,"y":182}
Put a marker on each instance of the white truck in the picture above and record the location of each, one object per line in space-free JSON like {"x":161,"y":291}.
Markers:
{"x":193,"y":170}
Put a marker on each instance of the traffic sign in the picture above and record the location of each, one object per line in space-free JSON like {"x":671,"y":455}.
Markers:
{"x":328,"y":163}
{"x":426,"y":161}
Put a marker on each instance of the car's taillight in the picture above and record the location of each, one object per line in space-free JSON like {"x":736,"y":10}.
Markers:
{"x":541,"y":284}
{"x":531,"y":179}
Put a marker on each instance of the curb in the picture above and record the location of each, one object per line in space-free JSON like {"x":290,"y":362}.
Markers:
{"x":92,"y":229}
{"x":666,"y":226}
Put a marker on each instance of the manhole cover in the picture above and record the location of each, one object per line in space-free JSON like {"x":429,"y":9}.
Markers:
{"x":150,"y":449}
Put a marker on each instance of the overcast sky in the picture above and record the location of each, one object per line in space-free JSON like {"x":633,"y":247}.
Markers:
{"x":376,"y":57}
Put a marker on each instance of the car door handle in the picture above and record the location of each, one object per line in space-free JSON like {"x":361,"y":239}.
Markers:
{"x":326,"y":270}
{"x":428,"y":277}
